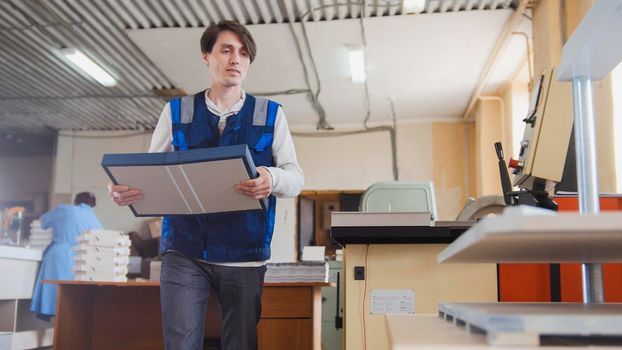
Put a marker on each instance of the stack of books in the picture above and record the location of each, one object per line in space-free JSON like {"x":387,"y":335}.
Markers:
{"x":101,"y":255}
{"x":304,"y":271}
{"x":39,"y":238}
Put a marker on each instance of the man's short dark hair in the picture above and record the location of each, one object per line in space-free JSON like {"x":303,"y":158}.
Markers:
{"x":210,"y":35}
{"x":86,"y":198}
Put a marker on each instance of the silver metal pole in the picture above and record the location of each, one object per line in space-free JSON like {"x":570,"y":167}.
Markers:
{"x":587,"y":180}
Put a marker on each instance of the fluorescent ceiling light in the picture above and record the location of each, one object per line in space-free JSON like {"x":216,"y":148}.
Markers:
{"x":89,"y":67}
{"x":357,"y":63}
{"x":414,"y":6}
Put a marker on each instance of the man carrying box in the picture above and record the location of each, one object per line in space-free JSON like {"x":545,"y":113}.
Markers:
{"x":223,"y":252}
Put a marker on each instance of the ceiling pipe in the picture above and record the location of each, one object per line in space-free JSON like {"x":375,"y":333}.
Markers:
{"x":500,"y":46}
{"x":529,"y":57}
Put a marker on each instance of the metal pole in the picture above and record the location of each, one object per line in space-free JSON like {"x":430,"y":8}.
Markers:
{"x":587,"y":180}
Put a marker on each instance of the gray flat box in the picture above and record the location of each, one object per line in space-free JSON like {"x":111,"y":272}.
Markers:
{"x":186,"y":182}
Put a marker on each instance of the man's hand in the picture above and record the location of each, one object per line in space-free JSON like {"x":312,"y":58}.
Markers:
{"x":123,"y":195}
{"x":258,"y":188}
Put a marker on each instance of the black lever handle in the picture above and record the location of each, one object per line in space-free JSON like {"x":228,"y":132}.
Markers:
{"x":506,"y":184}
{"x":338,"y":318}
{"x":499,"y":150}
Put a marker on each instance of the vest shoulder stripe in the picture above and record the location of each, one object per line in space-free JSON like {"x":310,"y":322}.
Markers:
{"x":187,"y":109}
{"x":261,"y":110}
{"x":265,"y":112}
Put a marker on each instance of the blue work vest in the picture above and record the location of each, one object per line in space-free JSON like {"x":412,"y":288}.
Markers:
{"x":233,"y":236}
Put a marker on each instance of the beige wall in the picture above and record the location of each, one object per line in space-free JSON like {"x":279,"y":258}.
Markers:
{"x":515,"y":96}
{"x":489,"y":128}
{"x":345,"y":162}
{"x":547,"y":35}
{"x":605,"y":147}
{"x":616,"y":76}
{"x":426,"y":151}
{"x":472,"y":171}
{"x":553,"y":24}
{"x":450,"y":145}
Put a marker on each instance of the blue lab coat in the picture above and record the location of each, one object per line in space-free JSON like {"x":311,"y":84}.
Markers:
{"x":67,"y":223}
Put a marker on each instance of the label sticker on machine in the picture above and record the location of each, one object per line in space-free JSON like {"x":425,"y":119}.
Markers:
{"x":392,"y":301}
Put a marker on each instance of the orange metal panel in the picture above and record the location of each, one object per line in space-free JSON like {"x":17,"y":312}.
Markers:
{"x":530,"y":282}
{"x":524,"y":282}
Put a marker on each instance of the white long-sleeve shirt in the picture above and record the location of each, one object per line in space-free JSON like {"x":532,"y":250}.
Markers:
{"x":287,"y":176}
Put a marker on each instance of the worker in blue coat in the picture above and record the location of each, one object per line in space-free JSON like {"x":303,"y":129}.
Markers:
{"x":67,"y":223}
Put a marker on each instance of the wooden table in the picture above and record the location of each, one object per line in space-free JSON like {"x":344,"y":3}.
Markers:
{"x":110,"y":315}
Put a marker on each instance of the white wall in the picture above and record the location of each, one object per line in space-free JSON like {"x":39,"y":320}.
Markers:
{"x":355,"y":162}
{"x":78,"y":169}
{"x":338,"y":163}
{"x":346,"y":162}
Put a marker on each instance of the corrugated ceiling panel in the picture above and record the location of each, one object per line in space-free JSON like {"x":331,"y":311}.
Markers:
{"x":39,"y":90}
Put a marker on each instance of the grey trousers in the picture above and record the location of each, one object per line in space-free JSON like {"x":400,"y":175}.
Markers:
{"x":185,"y":286}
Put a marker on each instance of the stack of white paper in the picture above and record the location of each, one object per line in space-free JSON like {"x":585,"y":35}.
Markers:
{"x":305,"y":271}
{"x":101,"y":255}
{"x":39,"y":238}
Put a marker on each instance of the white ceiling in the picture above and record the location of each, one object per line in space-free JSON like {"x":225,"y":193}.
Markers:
{"x":428,"y":65}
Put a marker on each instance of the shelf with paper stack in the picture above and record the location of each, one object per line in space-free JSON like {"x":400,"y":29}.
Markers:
{"x":102,"y":255}
{"x":39,"y":238}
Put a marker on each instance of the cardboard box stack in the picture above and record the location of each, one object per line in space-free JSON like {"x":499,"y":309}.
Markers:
{"x":101,"y":255}
{"x":39,"y":238}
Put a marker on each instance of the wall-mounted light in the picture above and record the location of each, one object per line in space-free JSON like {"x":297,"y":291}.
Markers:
{"x":414,"y":6}
{"x":89,"y":67}
{"x":357,"y":63}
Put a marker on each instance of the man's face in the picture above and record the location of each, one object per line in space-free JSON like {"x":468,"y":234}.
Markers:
{"x":228,"y":62}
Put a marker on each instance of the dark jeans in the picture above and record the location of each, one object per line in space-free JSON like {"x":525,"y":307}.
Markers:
{"x":185,"y":286}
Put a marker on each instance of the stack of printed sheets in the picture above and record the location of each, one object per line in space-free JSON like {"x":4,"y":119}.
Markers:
{"x":101,"y":255}
{"x":304,"y":271}
{"x":39,"y":238}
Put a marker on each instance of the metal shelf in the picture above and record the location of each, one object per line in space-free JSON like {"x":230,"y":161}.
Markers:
{"x":539,"y":236}
{"x":532,"y":324}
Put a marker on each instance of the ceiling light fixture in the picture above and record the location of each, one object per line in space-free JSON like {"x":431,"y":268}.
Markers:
{"x":89,"y":67}
{"x":414,"y":6}
{"x":357,"y":63}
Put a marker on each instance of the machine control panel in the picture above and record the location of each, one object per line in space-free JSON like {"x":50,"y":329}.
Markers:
{"x":548,"y":127}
